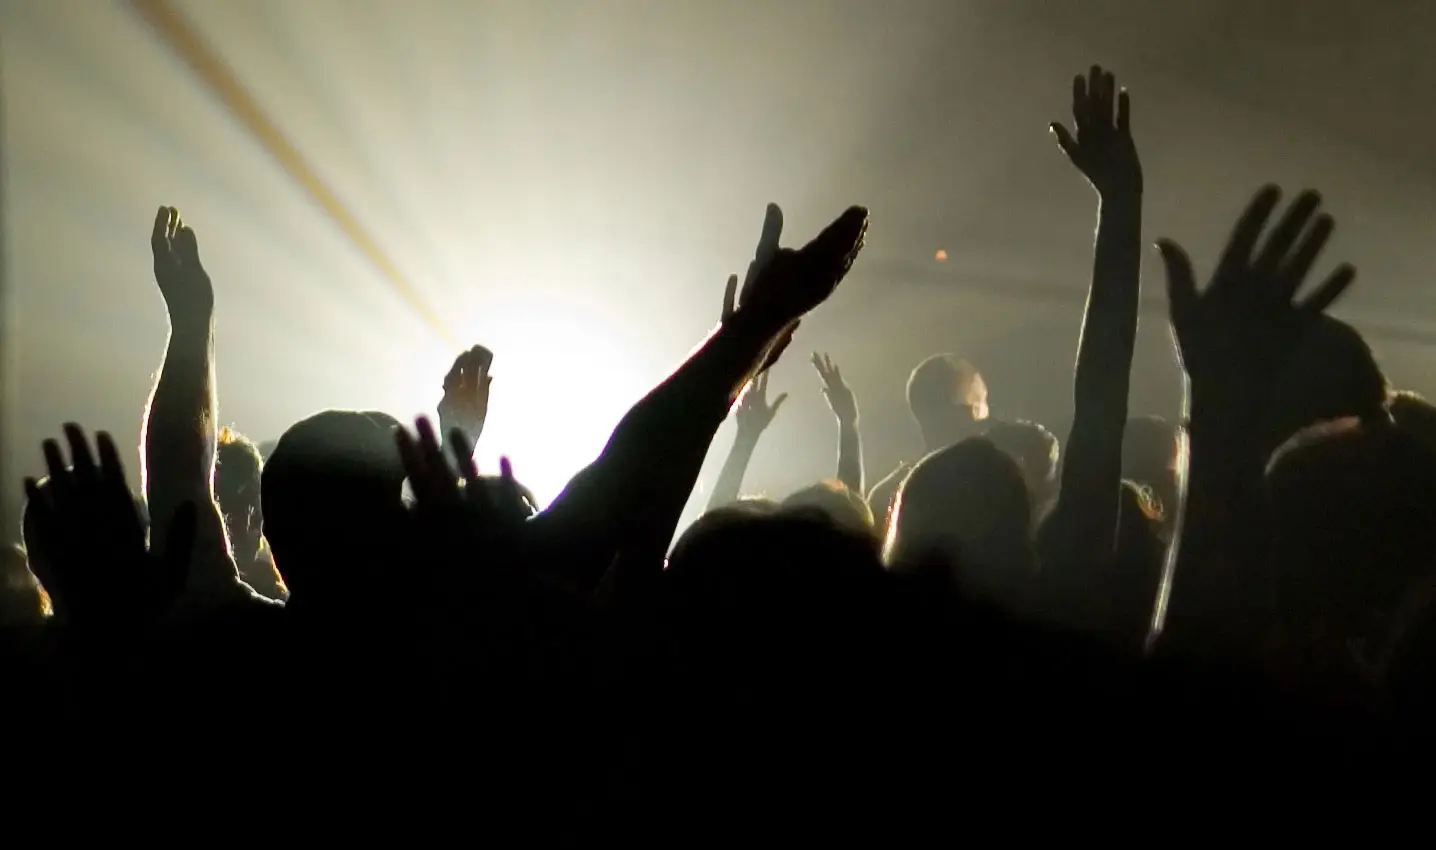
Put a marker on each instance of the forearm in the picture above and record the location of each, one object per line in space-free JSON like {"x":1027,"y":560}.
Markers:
{"x":653,"y":458}
{"x":850,"y":456}
{"x":178,"y":443}
{"x":1218,"y":537}
{"x":729,"y":486}
{"x":1086,"y":515}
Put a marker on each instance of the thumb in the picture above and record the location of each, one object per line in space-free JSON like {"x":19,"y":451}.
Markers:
{"x":730,"y":297}
{"x":1181,"y":280}
{"x":777,"y":403}
{"x":1065,"y":141}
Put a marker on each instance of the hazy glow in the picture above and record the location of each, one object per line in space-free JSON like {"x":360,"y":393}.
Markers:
{"x":561,"y":382}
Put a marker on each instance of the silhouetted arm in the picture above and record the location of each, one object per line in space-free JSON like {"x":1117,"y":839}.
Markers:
{"x":179,"y":434}
{"x":844,"y":405}
{"x":1234,"y":338}
{"x":1081,"y":530}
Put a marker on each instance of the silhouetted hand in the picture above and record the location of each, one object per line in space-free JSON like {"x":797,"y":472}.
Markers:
{"x":182,"y":280}
{"x":1102,"y":148}
{"x":465,"y":497}
{"x":763,"y":254}
{"x":465,"y":404}
{"x":784,"y":284}
{"x":99,"y":567}
{"x":1235,"y":335}
{"x":754,"y":414}
{"x":840,"y":397}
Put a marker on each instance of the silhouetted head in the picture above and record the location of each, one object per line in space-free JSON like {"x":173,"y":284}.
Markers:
{"x":1332,"y":375}
{"x":23,"y":602}
{"x":334,"y":512}
{"x":833,"y":500}
{"x":236,"y":488}
{"x":1035,"y":449}
{"x":1151,"y":456}
{"x":1353,"y":512}
{"x":754,"y":585}
{"x":948,"y":399}
{"x":965,"y":509}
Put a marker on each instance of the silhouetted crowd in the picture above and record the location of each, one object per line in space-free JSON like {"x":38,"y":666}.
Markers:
{"x":1251,"y":586}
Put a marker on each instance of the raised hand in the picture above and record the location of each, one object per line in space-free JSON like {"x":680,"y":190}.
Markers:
{"x":754,"y":414}
{"x":763,"y":254}
{"x":785,"y":284}
{"x":840,"y":397}
{"x":95,"y":562}
{"x":465,"y":404}
{"x":1235,"y":335}
{"x":1101,"y":146}
{"x":182,"y":280}
{"x":463,"y":496}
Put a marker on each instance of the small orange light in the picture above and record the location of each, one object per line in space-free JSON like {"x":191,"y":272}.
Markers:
{"x":941,"y":256}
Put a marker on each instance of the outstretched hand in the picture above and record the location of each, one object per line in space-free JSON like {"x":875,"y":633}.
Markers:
{"x":464,"y":497}
{"x":465,"y":403}
{"x":183,"y":282}
{"x":1101,"y":146}
{"x":839,"y":395}
{"x":754,"y":414}
{"x":97,"y":567}
{"x":1235,"y":335}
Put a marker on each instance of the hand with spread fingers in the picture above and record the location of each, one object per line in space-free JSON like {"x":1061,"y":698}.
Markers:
{"x":754,"y":414}
{"x":182,"y":280}
{"x":91,"y":553}
{"x":839,"y":395}
{"x":1101,"y":146}
{"x":465,"y":403}
{"x":1234,"y":335}
{"x":465,"y":496}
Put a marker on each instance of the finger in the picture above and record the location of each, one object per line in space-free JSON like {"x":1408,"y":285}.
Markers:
{"x":54,"y":462}
{"x":428,"y":442}
{"x":484,"y":356}
{"x":1094,"y":93}
{"x":188,"y":245}
{"x":159,"y":234}
{"x":1124,"y":112}
{"x":730,"y":297}
{"x":1079,"y":101}
{"x":81,"y":460}
{"x":1274,"y":251}
{"x":110,"y":466}
{"x":34,"y":495}
{"x":772,"y":232}
{"x":1065,"y":140}
{"x":409,"y":456}
{"x":818,"y":364}
{"x":1109,"y":98}
{"x":1181,"y":280}
{"x":777,"y":403}
{"x":760,"y":386}
{"x":172,"y":224}
{"x":458,"y":440}
{"x":1328,"y":293}
{"x":455,"y":375}
{"x":1237,"y":255}
{"x":1294,"y":272}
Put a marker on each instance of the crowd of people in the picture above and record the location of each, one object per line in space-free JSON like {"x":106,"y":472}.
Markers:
{"x":1252,"y":581}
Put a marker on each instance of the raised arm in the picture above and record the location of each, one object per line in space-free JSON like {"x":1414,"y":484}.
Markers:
{"x":638,"y":485}
{"x":1233,"y":338}
{"x":844,"y":406}
{"x":753,"y":414}
{"x":1081,"y":531}
{"x":179,"y":434}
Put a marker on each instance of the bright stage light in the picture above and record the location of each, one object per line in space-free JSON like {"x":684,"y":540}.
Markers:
{"x":561,"y":382}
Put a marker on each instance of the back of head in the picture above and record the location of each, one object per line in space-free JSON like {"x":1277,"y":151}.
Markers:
{"x":236,"y":480}
{"x":1151,"y":456}
{"x":965,"y":509}
{"x":1035,"y":449}
{"x":1353,"y":508}
{"x":833,"y":500}
{"x":947,"y":397}
{"x":1332,"y":375}
{"x":333,"y":497}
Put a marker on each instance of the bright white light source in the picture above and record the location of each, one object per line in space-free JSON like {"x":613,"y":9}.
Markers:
{"x":561,"y":382}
